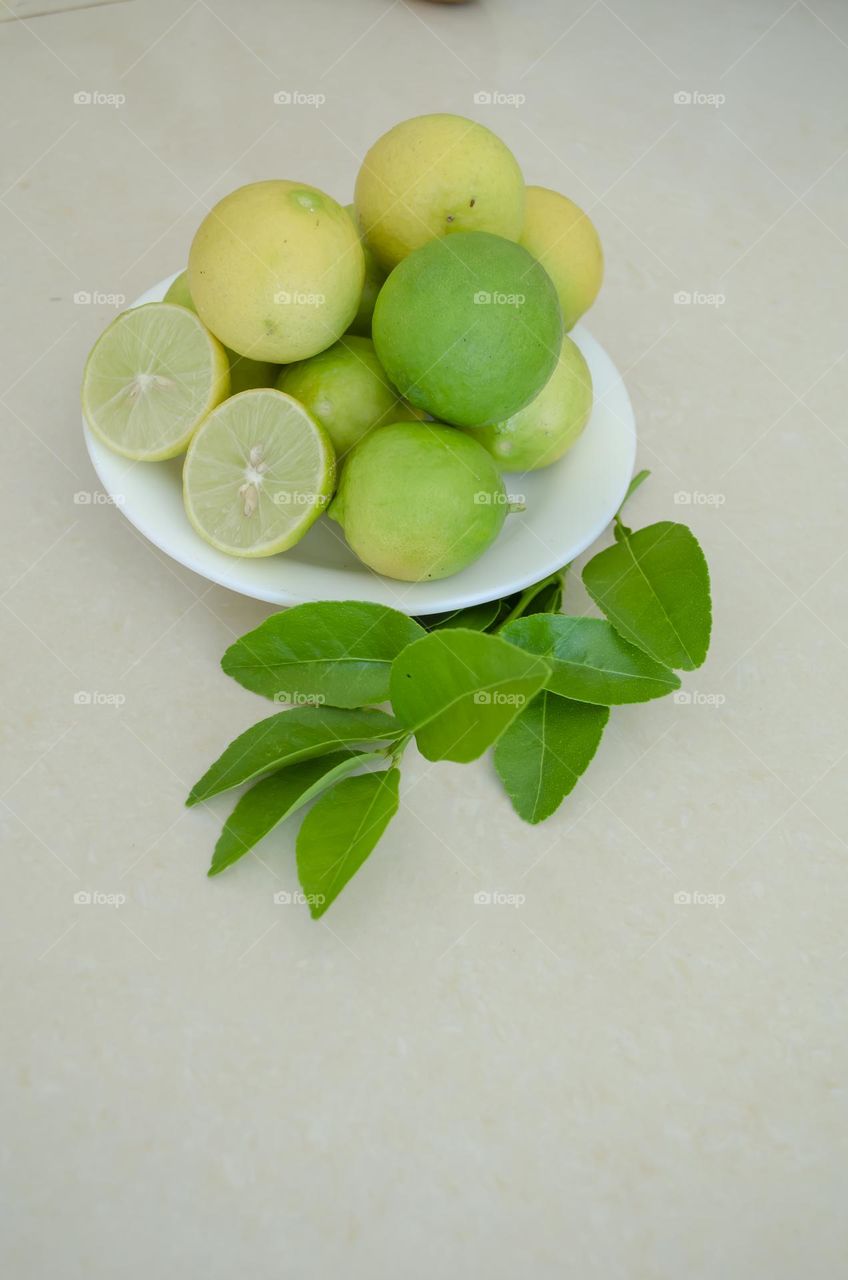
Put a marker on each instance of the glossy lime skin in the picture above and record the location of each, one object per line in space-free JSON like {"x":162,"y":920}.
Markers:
{"x":346,"y":389}
{"x":419,"y":501}
{"x":469,"y":328}
{"x":548,"y":426}
{"x":563,"y":238}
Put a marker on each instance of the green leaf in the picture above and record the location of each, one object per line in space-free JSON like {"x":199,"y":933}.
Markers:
{"x":544,"y":752}
{"x":340,"y":831}
{"x":458,"y":690}
{"x":287,"y":737}
{"x":548,"y":600}
{"x":477,"y":617}
{"x":654,"y":587}
{"x":337,"y":653}
{"x":278,"y":796}
{"x":590,"y":661}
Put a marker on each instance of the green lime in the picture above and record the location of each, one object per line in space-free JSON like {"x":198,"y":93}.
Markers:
{"x":151,"y":379}
{"x":258,"y":473}
{"x":433,"y":176}
{"x":244,"y":373}
{"x":346,"y":390}
{"x":375,"y":278}
{"x":419,"y":501}
{"x":548,"y":426}
{"x":469,"y":328}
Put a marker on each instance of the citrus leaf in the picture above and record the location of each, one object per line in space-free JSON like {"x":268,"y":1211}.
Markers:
{"x":287,"y":737}
{"x":543,"y":753}
{"x":590,"y":661}
{"x":654,"y":587}
{"x":477,"y":617}
{"x":458,"y":690}
{"x":276,"y":797}
{"x":340,"y":831}
{"x":339,"y":653}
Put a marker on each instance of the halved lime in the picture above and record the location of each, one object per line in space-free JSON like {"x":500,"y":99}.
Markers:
{"x":258,"y":473}
{"x":151,"y":379}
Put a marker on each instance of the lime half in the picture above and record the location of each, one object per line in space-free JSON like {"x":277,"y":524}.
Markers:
{"x":151,"y":379}
{"x":258,"y":473}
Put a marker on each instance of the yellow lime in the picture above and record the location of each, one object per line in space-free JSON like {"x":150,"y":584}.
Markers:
{"x":276,"y":271}
{"x":563,"y":238}
{"x":431,"y":176}
{"x":244,"y":373}
{"x":375,"y":278}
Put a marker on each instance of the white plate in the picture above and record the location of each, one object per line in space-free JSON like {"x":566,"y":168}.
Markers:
{"x":568,"y":506}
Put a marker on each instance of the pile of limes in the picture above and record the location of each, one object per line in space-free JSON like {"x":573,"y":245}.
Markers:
{"x":388,"y":360}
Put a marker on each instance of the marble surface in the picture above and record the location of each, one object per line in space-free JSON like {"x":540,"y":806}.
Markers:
{"x":601,"y":1081}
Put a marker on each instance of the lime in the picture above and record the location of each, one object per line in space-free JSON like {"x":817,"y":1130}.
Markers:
{"x":469,"y":328}
{"x":244,"y":373}
{"x":434,"y":175}
{"x":419,"y":501}
{"x":258,"y":473}
{"x":276,"y":271}
{"x":151,"y":379}
{"x":346,"y":390}
{"x":374,"y":279}
{"x":548,"y":426}
{"x":563,"y":238}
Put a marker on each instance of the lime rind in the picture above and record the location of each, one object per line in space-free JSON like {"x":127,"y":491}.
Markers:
{"x":151,"y":378}
{"x":258,"y":474}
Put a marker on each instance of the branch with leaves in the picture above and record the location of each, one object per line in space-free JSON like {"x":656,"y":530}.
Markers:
{"x":516,"y":675}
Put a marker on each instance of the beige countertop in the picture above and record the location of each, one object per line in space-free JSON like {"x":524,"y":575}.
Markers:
{"x":602,"y":1081}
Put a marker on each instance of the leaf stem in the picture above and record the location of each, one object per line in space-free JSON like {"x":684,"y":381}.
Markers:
{"x":527,"y":596}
